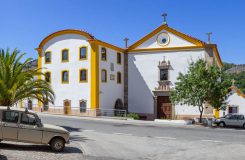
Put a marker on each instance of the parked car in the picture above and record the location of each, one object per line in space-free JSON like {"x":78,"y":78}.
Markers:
{"x":25,"y":126}
{"x":236,"y":120}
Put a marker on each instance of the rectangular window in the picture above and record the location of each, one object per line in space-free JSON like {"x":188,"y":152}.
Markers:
{"x":65,"y":77}
{"x":119,"y":58}
{"x":10,"y":116}
{"x":163,"y":74}
{"x":48,"y":77}
{"x":83,"y":75}
{"x":82,"y":53}
{"x":83,"y":106}
{"x":233,"y":109}
{"x":65,"y":55}
{"x":103,"y":76}
{"x":28,"y":119}
{"x":103,"y":54}
{"x":47,"y":56}
{"x":119,"y":78}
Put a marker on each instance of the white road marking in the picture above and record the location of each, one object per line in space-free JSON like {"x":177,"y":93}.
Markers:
{"x":88,"y":130}
{"x":208,"y":140}
{"x":171,"y":138}
{"x":126,"y":134}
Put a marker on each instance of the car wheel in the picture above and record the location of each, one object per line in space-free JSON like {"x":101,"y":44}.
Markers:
{"x":243,"y":126}
{"x":57,"y":144}
{"x":222,"y":124}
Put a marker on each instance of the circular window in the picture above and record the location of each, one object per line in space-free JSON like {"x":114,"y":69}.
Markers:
{"x":163,"y":39}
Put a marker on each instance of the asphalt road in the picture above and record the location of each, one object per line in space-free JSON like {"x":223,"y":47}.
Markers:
{"x":122,"y":140}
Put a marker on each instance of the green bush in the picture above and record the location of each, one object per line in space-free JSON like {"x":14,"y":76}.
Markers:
{"x":133,"y":115}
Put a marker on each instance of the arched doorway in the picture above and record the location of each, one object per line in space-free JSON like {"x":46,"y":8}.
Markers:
{"x":67,"y":106}
{"x":119,"y":104}
{"x":119,"y":108}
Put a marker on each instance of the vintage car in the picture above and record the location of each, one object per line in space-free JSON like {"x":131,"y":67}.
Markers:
{"x":21,"y":125}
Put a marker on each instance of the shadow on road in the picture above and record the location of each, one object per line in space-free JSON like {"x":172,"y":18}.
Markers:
{"x":38,"y":148}
{"x":2,"y":157}
{"x":71,"y":129}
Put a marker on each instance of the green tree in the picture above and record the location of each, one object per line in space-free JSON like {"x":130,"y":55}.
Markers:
{"x":201,"y":84}
{"x":18,"y":83}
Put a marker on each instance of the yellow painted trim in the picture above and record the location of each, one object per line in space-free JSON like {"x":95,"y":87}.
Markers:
{"x":62,"y":32}
{"x":63,"y":82}
{"x":166,"y":28}
{"x":105,"y":76}
{"x":94,"y":76}
{"x":167,"y":49}
{"x":39,"y":77}
{"x":163,"y":45}
{"x":50,"y":57}
{"x":238,"y":91}
{"x":83,"y":81}
{"x":105,"y":54}
{"x":79,"y":53}
{"x":105,"y":44}
{"x":49,"y":77}
{"x":118,"y":53}
{"x":68,"y":56}
{"x":216,"y":113}
{"x":120,"y":77}
{"x":216,"y":52}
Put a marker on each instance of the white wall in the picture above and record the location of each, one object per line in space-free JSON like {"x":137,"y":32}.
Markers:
{"x":111,"y":91}
{"x":73,"y":91}
{"x":144,"y":75}
{"x":235,"y":100}
{"x":175,"y":41}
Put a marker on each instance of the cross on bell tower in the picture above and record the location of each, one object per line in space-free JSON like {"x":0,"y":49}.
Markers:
{"x":164,"y":18}
{"x":209,"y":37}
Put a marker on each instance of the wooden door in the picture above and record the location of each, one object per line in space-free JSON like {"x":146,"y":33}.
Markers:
{"x":164,"y":108}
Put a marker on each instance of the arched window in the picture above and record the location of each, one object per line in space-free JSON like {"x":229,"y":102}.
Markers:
{"x":83,"y":53}
{"x":47,"y":56}
{"x":103,"y":54}
{"x":65,"y":76}
{"x":65,"y":55}
{"x":83,"y":105}
{"x":119,"y":58}
{"x":103,"y":76}
{"x":83,"y":75}
{"x":48,"y":77}
{"x":119,"y":77}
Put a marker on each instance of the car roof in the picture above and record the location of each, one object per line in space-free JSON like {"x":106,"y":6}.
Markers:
{"x":15,"y":109}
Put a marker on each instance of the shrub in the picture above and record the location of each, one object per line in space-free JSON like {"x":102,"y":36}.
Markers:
{"x":133,"y":115}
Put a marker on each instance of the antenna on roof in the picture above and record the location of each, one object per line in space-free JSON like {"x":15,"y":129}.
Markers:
{"x":126,"y":42}
{"x":164,"y":18}
{"x":209,"y":37}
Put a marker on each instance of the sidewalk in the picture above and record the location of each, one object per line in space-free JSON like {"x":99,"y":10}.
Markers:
{"x":128,"y":121}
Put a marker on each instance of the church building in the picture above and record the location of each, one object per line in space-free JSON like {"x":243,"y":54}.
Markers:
{"x":89,"y":74}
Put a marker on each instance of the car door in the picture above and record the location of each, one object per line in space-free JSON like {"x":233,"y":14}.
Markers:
{"x":28,"y":129}
{"x":240,"y":120}
{"x":231,"y":121}
{"x":10,"y":125}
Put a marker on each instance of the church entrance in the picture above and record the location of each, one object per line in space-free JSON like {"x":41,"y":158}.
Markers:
{"x":164,"y":107}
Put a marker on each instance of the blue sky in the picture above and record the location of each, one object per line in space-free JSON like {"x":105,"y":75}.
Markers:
{"x":24,"y":23}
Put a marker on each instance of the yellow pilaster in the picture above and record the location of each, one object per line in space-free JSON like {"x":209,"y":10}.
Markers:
{"x":94,"y":76}
{"x":216,"y":113}
{"x":39,"y":65}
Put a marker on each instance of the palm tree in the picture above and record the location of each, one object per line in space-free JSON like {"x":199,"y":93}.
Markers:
{"x":18,"y":83}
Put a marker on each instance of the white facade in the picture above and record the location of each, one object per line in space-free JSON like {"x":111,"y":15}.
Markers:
{"x":138,"y":68}
{"x":74,"y":90}
{"x":111,"y":90}
{"x":235,"y":100}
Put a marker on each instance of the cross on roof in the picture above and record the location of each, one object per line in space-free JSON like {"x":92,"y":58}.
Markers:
{"x":164,"y":18}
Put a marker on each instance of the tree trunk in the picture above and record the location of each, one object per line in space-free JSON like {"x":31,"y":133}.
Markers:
{"x":201,"y":111}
